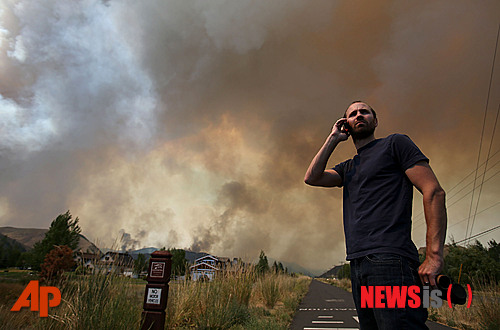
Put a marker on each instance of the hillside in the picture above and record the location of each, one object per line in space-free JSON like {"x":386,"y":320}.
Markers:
{"x":27,"y":237}
{"x":332,"y":272}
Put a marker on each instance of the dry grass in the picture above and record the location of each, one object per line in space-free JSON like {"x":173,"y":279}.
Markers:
{"x":240,"y":299}
{"x":483,"y":313}
{"x":344,"y":283}
{"x":237,"y":300}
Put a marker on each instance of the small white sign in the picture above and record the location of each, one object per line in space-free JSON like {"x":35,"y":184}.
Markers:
{"x":154,"y":296}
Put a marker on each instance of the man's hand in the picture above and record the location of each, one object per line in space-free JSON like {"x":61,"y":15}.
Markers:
{"x":317,"y":174}
{"x":429,"y":269}
{"x":433,"y":196}
{"x":337,"y":130}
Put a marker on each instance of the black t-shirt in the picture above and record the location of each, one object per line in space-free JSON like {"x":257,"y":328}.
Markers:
{"x":377,"y":197}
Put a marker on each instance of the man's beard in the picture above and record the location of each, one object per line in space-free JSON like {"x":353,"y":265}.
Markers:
{"x":363,"y":133}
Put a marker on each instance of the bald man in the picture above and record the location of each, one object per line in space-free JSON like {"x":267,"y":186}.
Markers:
{"x":377,"y":206}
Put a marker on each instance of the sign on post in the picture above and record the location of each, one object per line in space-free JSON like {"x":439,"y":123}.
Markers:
{"x":156,"y":294}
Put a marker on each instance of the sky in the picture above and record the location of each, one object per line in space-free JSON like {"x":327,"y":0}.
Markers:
{"x":190,"y":124}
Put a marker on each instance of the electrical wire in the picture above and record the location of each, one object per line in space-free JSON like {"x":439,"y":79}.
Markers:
{"x":482,"y":132}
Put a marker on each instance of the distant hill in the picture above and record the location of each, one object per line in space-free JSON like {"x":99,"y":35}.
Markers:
{"x":10,"y":251}
{"x":332,"y":272}
{"x":9,"y":243}
{"x":27,"y":237}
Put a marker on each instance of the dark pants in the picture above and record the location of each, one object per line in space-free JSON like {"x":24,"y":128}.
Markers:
{"x":386,"y":269}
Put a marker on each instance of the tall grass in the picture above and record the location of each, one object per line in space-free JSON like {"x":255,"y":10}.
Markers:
{"x":236,"y":299}
{"x":483,"y":313}
{"x":270,"y":288}
{"x":99,"y":302}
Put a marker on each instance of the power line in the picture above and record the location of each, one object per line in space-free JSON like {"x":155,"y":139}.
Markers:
{"x":478,"y":234}
{"x":464,"y":219}
{"x":483,"y":210}
{"x":469,"y":182}
{"x":489,"y":150}
{"x":484,"y":124}
{"x":479,"y":186}
{"x":449,"y":190}
{"x":419,"y":216}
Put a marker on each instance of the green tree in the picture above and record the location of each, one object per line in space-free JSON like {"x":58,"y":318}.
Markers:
{"x":263,"y":264}
{"x":473,"y":262}
{"x":178,"y":261}
{"x":140,"y":264}
{"x":275,"y":267}
{"x":63,"y":231}
{"x":494,"y":250}
{"x":10,"y":252}
{"x":344,"y":272}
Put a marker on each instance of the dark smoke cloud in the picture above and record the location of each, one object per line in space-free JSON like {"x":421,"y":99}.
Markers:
{"x":191,"y":123}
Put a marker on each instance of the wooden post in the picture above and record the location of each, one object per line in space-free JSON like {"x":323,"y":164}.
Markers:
{"x":156,"y":295}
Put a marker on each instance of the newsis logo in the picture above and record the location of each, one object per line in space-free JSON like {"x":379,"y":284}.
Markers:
{"x":39,"y":300}
{"x":411,"y":296}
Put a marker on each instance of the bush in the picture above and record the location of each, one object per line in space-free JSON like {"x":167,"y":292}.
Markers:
{"x":57,"y":261}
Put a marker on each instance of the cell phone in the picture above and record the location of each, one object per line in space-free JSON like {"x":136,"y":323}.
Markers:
{"x":345,"y":129}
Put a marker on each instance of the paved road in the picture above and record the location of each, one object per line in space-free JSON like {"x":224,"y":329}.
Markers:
{"x":328,"y":307}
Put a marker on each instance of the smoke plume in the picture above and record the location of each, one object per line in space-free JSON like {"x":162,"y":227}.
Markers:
{"x":190,"y":124}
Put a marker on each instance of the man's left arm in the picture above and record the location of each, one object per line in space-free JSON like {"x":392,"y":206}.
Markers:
{"x":424,"y":179}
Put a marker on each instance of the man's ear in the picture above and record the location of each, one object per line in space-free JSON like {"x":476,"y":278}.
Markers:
{"x":376,"y":122}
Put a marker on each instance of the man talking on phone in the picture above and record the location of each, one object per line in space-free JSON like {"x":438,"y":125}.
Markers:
{"x":377,"y":206}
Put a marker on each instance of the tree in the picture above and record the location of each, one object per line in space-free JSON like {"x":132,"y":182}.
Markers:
{"x":57,"y":261}
{"x":140,"y":264}
{"x":281,"y":269}
{"x":178,"y":261}
{"x":275,"y":267}
{"x":63,"y":231}
{"x":10,"y":252}
{"x":262,"y":265}
{"x":473,"y":262}
{"x":344,"y":272}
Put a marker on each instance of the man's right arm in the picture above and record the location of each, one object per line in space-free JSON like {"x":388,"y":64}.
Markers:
{"x":317,"y":174}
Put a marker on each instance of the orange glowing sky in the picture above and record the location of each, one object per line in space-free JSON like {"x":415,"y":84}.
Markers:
{"x":190,"y":124}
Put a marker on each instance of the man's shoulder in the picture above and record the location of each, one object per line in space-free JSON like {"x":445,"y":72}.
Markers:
{"x":398,"y":138}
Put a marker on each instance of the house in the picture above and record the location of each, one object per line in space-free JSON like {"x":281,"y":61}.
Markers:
{"x":207,"y":267}
{"x":87,"y":260}
{"x":204,"y":268}
{"x":118,"y":262}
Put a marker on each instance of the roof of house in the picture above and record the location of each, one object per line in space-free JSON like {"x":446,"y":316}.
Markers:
{"x":88,"y":256}
{"x":208,"y":256}
{"x":203,"y":265}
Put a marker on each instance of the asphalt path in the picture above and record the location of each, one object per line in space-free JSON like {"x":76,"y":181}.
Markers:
{"x":328,"y":307}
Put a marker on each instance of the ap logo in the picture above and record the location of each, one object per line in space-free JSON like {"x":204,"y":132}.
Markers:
{"x":39,"y":298}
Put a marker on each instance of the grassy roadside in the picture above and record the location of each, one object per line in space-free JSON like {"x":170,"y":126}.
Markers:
{"x":344,"y":283}
{"x":483,"y":313}
{"x":241,"y":299}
